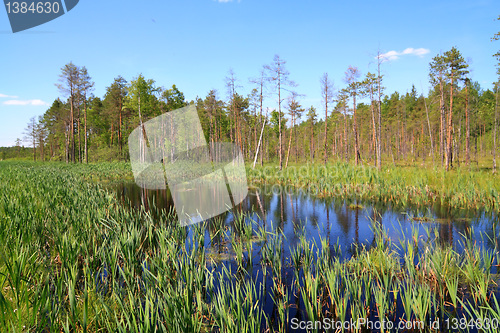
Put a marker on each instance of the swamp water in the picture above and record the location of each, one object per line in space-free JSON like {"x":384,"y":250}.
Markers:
{"x":342,"y":223}
{"x":345,"y":227}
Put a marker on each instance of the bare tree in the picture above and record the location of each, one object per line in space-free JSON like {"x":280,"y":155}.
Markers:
{"x":430,"y":130}
{"x":260,"y":81}
{"x":368,"y":84}
{"x":342,"y":100}
{"x":327,"y":95}
{"x":231,"y":90}
{"x":379,"y":93}
{"x":86,"y":86}
{"x":436,"y":74}
{"x":69,"y":79}
{"x":260,"y":142}
{"x":497,"y":88}
{"x":351,"y":78}
{"x":467,"y":122}
{"x":280,"y":77}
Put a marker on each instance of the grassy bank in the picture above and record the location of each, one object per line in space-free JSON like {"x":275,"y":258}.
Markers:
{"x":72,"y":259}
{"x":398,"y":186}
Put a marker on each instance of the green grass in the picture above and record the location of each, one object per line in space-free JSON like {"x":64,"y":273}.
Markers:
{"x":73,"y":259}
{"x":399,"y":186}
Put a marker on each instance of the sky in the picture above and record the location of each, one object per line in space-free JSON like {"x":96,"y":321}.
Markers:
{"x":194,"y":43}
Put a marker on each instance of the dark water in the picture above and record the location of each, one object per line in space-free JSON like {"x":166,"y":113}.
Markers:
{"x":340,"y":222}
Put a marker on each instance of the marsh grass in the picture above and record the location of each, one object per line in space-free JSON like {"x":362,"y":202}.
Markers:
{"x":401,"y":187}
{"x":73,"y":259}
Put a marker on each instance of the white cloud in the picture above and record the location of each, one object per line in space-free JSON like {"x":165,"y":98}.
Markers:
{"x":35,"y":102}
{"x":391,"y":55}
{"x":418,"y":52}
{"x":394,"y":55}
{"x":7,"y":96}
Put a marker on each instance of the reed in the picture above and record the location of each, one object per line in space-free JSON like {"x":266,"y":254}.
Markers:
{"x":74,"y":259}
{"x":402,"y":187}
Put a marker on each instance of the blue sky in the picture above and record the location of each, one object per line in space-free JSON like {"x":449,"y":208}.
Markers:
{"x":194,"y":43}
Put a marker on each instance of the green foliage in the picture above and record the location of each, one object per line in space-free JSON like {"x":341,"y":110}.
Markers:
{"x":143,"y":96}
{"x":16,"y":152}
{"x":275,"y":122}
{"x":173,"y":98}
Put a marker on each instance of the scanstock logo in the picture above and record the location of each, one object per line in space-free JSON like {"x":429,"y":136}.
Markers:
{"x":31,"y":13}
{"x":205,"y":180}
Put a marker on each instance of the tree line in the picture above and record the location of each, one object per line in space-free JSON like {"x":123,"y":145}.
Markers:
{"x":456,"y":122}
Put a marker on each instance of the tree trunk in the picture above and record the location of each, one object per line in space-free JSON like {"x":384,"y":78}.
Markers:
{"x":442,"y":126}
{"x":379,"y":141}
{"x":467,"y":126}
{"x":279,"y":125}
{"x":449,"y":142}
{"x":33,"y":135}
{"x":254,"y":130}
{"x":356,"y":144}
{"x":457,"y":141}
{"x":120,"y":139}
{"x":326,"y":122}
{"x":85,"y":131}
{"x":430,"y":130}
{"x":296,"y":148}
{"x":66,"y":145}
{"x":374,"y":128}
{"x":72,"y":129}
{"x":261,"y":99}
{"x":258,"y":146}
{"x":495,"y":129}
{"x":289,"y":143}
{"x":312,"y":142}
{"x":111,"y":139}
{"x":345,"y":137}
{"x":79,"y":137}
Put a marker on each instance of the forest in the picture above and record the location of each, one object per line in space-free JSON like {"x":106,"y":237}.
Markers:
{"x":454,"y":123}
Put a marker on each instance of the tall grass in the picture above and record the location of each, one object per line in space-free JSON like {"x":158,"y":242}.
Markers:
{"x":73,"y":259}
{"x":398,"y":186}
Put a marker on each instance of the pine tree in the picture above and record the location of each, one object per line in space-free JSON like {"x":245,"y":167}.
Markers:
{"x":69,"y":78}
{"x":456,"y":69}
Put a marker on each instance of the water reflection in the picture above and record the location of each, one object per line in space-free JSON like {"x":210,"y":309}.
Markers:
{"x":339,"y":222}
